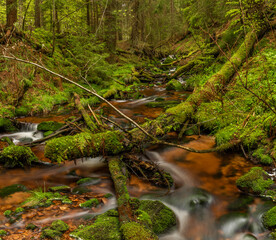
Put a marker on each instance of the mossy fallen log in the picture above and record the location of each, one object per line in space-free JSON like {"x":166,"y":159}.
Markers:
{"x":85,"y":145}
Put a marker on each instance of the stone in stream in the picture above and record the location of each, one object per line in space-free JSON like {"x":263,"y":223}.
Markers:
{"x":80,"y":190}
{"x":55,"y":231}
{"x":89,"y":181}
{"x":6,"y":191}
{"x":94,"y":202}
{"x":62,"y":188}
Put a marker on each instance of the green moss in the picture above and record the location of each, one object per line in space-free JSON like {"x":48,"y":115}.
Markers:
{"x":255,"y":181}
{"x":59,"y":225}
{"x":163,"y":104}
{"x":19,"y":210}
{"x":49,"y":126}
{"x":3,"y":233}
{"x":60,"y":189}
{"x":85,"y":180}
{"x":84,"y":145}
{"x":264,"y":158}
{"x":22,"y":111}
{"x":7,"y":213}
{"x":174,"y":85}
{"x":144,"y":218}
{"x":48,"y":133}
{"x":226,"y":134}
{"x":269,"y":218}
{"x":135,"y":231}
{"x":162,"y":217}
{"x":6,"y":125}
{"x":106,"y":227}
{"x":31,"y":226}
{"x":108,"y":195}
{"x":17,"y":156}
{"x":51,"y":234}
{"x":94,"y":202}
{"x":6,"y":191}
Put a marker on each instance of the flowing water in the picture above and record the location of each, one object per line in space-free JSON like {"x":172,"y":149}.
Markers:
{"x":205,"y":199}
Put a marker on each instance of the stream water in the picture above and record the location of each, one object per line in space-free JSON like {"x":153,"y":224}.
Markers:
{"x":204,"y":198}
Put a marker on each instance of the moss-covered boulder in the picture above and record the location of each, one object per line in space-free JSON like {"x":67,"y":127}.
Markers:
{"x":106,"y":227}
{"x":94,"y":202}
{"x":59,"y":225}
{"x":269,"y":218}
{"x":161,"y":217}
{"x":62,"y":188}
{"x":49,"y":126}
{"x":17,"y":156}
{"x":6,"y":191}
{"x":7,"y":125}
{"x":51,"y":234}
{"x":88,"y":181}
{"x":174,"y":85}
{"x":133,"y":231}
{"x":84,"y":145}
{"x":256,"y":181}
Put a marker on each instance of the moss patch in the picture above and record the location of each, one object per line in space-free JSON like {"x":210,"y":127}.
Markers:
{"x":255,"y":181}
{"x":269,"y":218}
{"x":135,"y":231}
{"x":6,"y":125}
{"x":59,"y":225}
{"x":84,"y":145}
{"x":17,"y":156}
{"x":49,"y":126}
{"x":94,"y":202}
{"x":6,"y":191}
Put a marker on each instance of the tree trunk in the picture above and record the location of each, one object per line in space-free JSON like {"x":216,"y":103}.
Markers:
{"x":135,"y":24}
{"x":37,"y":13}
{"x":110,"y":23}
{"x":11,"y":13}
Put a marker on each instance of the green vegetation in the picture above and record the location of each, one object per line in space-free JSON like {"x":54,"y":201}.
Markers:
{"x":6,"y":125}
{"x":94,"y":202}
{"x":269,"y":218}
{"x":17,"y":156}
{"x":3,"y":233}
{"x":6,"y":191}
{"x":49,"y":126}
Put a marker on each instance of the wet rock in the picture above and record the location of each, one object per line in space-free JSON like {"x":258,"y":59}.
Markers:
{"x":89,"y":181}
{"x":49,"y":126}
{"x":233,"y":223}
{"x":198,"y":198}
{"x":17,"y":156}
{"x":94,"y":202}
{"x":60,"y":189}
{"x":249,"y":237}
{"x":31,"y":226}
{"x":6,"y":191}
{"x":80,"y":190}
{"x":108,"y":195}
{"x":241,"y":203}
{"x":25,"y":140}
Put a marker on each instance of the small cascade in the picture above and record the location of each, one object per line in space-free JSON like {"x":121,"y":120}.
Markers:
{"x":28,"y":133}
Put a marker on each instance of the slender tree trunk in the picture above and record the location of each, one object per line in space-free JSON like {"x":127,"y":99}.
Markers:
{"x":135,"y":25}
{"x":54,"y":26}
{"x":110,"y":23}
{"x":11,"y":12}
{"x":20,"y":12}
{"x":25,"y":15}
{"x":37,"y":13}
{"x":88,"y":16}
{"x":58,"y":23}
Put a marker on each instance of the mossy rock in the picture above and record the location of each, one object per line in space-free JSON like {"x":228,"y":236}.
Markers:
{"x":7,"y":125}
{"x":60,"y":189}
{"x":80,"y":190}
{"x":108,"y":195}
{"x":163,"y":104}
{"x":161,"y":216}
{"x":19,"y":210}
{"x":6,"y":191}
{"x":49,"y":126}
{"x":135,"y":231}
{"x":8,"y":213}
{"x":261,"y":155}
{"x":22,"y":111}
{"x":256,"y":181}
{"x":174,"y":85}
{"x":17,"y":156}
{"x":241,"y":203}
{"x":31,"y":226}
{"x":48,"y":133}
{"x":3,"y":233}
{"x":269,"y":218}
{"x":59,"y":225}
{"x":106,"y":227}
{"x":88,"y":181}
{"x":94,"y":202}
{"x":51,"y":234}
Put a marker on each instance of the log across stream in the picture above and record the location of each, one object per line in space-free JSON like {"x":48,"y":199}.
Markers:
{"x":205,"y":198}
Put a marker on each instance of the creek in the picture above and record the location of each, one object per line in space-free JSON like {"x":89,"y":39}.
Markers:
{"x":205,"y":198}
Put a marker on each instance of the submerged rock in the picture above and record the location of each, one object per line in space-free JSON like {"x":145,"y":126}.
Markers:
{"x":6,"y":191}
{"x":88,"y":181}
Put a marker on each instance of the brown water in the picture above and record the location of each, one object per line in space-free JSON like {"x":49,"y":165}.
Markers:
{"x":204,"y":184}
